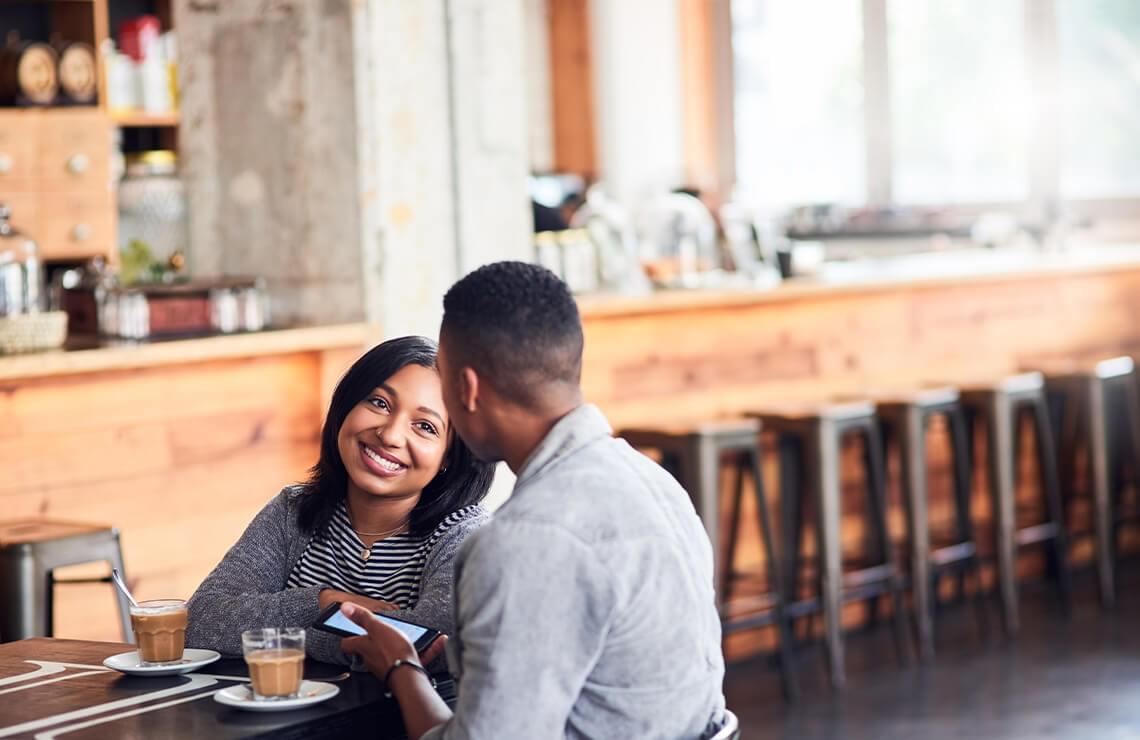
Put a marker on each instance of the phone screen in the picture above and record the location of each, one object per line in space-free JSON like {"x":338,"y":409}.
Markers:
{"x":412,"y":631}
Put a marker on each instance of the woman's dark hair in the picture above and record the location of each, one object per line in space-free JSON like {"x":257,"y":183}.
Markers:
{"x":463,"y":479}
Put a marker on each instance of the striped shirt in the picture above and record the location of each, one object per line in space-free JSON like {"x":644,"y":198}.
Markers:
{"x":391,"y":572}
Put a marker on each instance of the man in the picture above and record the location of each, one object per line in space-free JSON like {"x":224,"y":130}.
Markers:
{"x":585,"y":608}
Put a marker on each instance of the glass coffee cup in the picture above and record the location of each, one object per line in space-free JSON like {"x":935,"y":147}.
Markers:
{"x":276,"y":660}
{"x":160,"y":630}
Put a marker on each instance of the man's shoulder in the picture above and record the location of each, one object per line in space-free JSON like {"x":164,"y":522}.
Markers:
{"x":606,"y":464}
{"x":510,"y":535}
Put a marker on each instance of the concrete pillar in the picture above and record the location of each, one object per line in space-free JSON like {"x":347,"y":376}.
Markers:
{"x":441,"y":100}
{"x":540,"y":113}
{"x":268,"y":152}
{"x":359,"y":154}
{"x":443,"y":149}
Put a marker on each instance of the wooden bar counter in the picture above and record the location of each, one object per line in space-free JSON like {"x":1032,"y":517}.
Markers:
{"x":177,"y":443}
{"x":861,"y":327}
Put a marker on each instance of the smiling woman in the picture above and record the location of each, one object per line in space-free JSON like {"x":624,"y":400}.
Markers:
{"x":378,"y":523}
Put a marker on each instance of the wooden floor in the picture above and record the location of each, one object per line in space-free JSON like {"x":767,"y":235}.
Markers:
{"x":1062,"y":678}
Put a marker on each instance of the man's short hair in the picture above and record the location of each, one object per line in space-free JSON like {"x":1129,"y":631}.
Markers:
{"x":517,"y":325}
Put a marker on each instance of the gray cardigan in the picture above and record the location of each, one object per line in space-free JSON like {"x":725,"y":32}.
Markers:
{"x":247,"y":589}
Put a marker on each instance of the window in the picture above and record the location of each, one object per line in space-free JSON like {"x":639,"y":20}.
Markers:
{"x":936,"y":102}
{"x":957,"y":98}
{"x":1099,"y":44}
{"x":799,"y":98}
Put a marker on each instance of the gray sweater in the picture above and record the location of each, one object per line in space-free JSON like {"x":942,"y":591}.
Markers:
{"x":585,"y":607}
{"x":247,"y":589}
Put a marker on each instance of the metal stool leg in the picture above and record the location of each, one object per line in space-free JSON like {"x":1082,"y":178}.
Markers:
{"x":877,"y":490}
{"x":703,"y":482}
{"x":1097,"y":446}
{"x":783,"y":626}
{"x":826,"y":475}
{"x":1000,"y":428}
{"x":1132,"y":414}
{"x":1052,"y":489}
{"x":115,"y":557}
{"x":791,"y":511}
{"x":912,"y":443}
{"x":727,"y":575}
{"x":959,"y":444}
{"x":25,"y":589}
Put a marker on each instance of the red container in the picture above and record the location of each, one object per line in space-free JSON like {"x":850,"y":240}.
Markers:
{"x":138,"y":36}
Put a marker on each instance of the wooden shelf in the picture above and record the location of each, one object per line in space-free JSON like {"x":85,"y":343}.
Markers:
{"x":142,"y":119}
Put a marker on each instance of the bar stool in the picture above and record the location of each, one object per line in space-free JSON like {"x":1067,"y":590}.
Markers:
{"x":1097,"y":404}
{"x":810,"y":440}
{"x":907,"y":417}
{"x":30,"y":550}
{"x":999,"y":405}
{"x":695,"y":455}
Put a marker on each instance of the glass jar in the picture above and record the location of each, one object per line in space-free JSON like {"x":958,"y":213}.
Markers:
{"x":21,"y":272}
{"x":152,"y":205}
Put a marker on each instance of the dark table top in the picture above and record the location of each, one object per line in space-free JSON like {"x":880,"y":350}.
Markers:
{"x":60,"y":688}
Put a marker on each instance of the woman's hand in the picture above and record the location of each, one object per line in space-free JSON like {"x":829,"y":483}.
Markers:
{"x":328,"y":596}
{"x":383,"y":645}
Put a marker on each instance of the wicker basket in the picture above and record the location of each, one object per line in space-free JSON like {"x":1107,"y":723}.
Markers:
{"x":32,"y":332}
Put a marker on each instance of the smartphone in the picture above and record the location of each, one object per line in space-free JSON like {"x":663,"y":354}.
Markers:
{"x":331,"y":620}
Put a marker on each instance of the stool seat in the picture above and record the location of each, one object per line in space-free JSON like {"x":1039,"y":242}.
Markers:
{"x":1114,"y":367}
{"x":1083,"y":366}
{"x":30,"y":551}
{"x":1021,"y":383}
{"x":727,"y":433}
{"x":922,"y":398}
{"x":797,"y":414}
{"x":28,"y":531}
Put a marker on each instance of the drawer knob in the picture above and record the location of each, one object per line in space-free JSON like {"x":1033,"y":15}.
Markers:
{"x":6,"y":163}
{"x":77,"y":164}
{"x":81,"y":232}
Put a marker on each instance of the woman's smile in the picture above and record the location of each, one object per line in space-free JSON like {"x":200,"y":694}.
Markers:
{"x":380,"y":462}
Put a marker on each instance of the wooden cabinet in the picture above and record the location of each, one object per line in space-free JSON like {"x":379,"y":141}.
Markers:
{"x":56,"y":162}
{"x":17,"y":151}
{"x":74,"y":151}
{"x":55,"y":174}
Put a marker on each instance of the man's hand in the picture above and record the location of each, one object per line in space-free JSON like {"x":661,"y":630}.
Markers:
{"x":328,"y":596}
{"x":383,"y":645}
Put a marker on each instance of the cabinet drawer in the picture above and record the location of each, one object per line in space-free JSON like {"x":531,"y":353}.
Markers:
{"x":73,"y":225}
{"x":75,"y":151}
{"x":18,"y":150}
{"x":25,"y":209}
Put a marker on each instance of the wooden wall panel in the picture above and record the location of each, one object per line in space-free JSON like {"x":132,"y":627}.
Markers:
{"x":702,"y":362}
{"x":698,"y":92}
{"x":572,"y":87}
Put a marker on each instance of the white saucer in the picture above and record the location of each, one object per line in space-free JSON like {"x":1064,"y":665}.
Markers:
{"x":241,"y":696}
{"x":130,"y":663}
